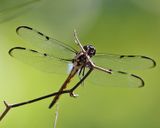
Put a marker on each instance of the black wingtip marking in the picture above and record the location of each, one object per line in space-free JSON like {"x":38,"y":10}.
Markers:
{"x":144,"y":57}
{"x":131,"y":56}
{"x":47,"y":37}
{"x":142,"y":81}
{"x":154,"y":62}
{"x":40,"y":33}
{"x":122,"y":72}
{"x":122,"y":56}
{"x":45,"y":54}
{"x":10,"y":51}
{"x":33,"y":50}
{"x":22,"y":27}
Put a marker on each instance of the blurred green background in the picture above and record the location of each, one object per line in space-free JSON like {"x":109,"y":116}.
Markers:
{"x":113,"y":26}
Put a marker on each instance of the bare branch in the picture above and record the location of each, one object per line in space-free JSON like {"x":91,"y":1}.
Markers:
{"x":9,"y":106}
{"x":69,"y":91}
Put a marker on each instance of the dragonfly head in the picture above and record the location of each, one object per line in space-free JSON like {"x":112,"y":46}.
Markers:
{"x":91,"y":51}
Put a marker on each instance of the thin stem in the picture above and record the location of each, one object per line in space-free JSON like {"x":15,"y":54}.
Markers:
{"x":70,"y":91}
{"x":9,"y":106}
{"x":56,"y":116}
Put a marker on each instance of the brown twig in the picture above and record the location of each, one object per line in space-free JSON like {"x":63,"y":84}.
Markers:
{"x":69,"y":91}
{"x":10,"y":106}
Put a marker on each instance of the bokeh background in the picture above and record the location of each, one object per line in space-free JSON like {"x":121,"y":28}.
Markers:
{"x":113,"y":26}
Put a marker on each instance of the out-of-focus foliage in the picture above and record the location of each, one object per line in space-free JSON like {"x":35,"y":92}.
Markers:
{"x":11,"y":9}
{"x":113,"y":26}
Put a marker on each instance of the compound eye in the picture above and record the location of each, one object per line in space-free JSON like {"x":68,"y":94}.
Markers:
{"x":85,"y":47}
{"x":92,"y":52}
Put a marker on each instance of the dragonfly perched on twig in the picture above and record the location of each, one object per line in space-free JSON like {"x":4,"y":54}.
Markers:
{"x":55,"y":56}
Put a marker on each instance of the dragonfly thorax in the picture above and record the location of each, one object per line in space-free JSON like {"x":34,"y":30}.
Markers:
{"x":81,"y":58}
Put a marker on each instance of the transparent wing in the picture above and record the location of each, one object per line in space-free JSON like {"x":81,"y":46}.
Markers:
{"x":41,"y":61}
{"x":123,"y":62}
{"x":46,"y":44}
{"x":115,"y":79}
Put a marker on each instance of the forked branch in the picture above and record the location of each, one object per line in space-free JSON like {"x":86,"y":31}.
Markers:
{"x":10,"y":106}
{"x":69,"y":91}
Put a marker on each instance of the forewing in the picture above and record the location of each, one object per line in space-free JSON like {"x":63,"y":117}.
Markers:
{"x":41,"y":61}
{"x":115,"y":79}
{"x":46,"y":44}
{"x":123,"y":62}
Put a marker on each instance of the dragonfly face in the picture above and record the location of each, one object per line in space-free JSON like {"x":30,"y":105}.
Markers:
{"x":91,"y":51}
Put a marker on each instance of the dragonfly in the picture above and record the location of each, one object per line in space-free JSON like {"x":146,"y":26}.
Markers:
{"x":54,"y":56}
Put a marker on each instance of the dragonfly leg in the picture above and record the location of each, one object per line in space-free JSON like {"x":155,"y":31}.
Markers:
{"x":81,"y":74}
{"x":78,"y":84}
{"x":77,"y":41}
{"x":103,"y":69}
